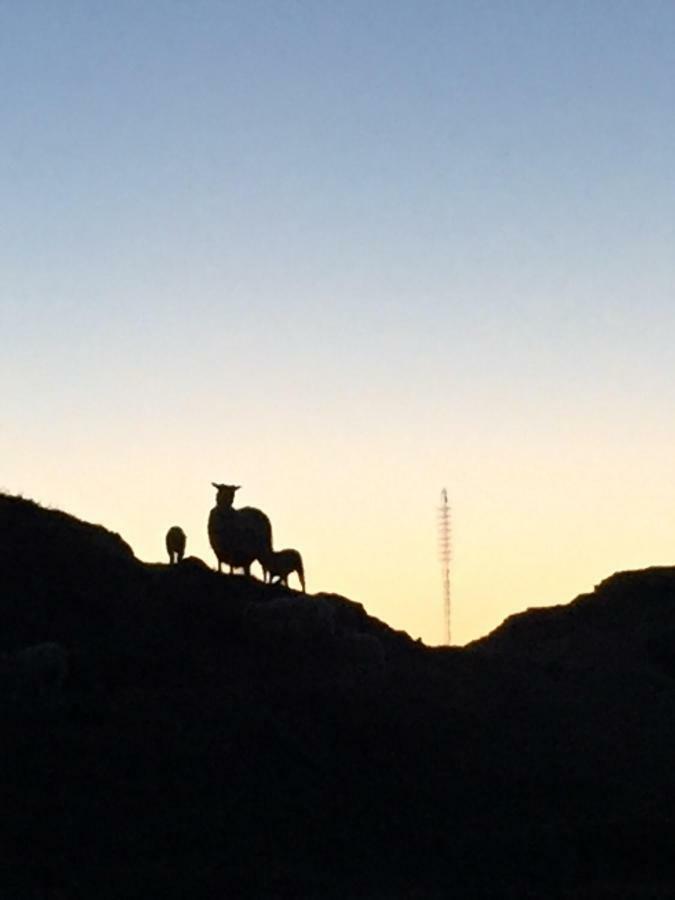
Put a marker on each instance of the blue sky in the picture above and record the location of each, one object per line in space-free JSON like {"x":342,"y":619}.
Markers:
{"x":429,"y":240}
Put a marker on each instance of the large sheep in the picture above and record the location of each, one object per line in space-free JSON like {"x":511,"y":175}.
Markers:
{"x":238,"y":537}
{"x":175,"y":544}
{"x":282,"y":563}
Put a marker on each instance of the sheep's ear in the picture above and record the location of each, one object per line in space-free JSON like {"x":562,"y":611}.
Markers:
{"x":235,"y":487}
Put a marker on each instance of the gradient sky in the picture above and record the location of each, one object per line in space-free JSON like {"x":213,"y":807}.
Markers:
{"x":345,"y":254}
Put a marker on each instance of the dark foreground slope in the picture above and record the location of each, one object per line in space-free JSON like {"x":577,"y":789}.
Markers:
{"x":198,"y":749}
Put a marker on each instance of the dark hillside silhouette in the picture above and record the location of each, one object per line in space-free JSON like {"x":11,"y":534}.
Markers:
{"x":208,"y":735}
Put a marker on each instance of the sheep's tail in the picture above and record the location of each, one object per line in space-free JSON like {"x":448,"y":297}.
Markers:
{"x":301,"y":574}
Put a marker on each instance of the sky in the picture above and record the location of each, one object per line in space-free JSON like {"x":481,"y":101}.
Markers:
{"x":346,"y":254}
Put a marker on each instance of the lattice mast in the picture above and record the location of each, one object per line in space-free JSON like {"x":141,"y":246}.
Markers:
{"x":445,"y":554}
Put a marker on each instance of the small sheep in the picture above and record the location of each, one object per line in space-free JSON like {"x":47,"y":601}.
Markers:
{"x":175,"y":544}
{"x":282,"y":563}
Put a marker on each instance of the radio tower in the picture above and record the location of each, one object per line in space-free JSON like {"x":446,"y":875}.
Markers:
{"x":444,"y":553}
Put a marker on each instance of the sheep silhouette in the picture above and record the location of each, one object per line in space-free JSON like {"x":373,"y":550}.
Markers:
{"x":282,"y":563}
{"x":175,"y":544}
{"x":238,"y":537}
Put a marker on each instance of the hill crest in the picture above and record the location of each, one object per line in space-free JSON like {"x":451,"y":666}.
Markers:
{"x":203,"y":747}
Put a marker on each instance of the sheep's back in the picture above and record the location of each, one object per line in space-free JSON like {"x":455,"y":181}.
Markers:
{"x":283,"y":562}
{"x":257,"y":527}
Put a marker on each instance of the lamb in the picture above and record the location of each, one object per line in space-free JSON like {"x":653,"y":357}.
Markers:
{"x":238,"y":537}
{"x":282,"y":563}
{"x":175,"y":544}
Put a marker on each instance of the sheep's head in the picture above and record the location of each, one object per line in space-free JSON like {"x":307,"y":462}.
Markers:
{"x":225,"y":495}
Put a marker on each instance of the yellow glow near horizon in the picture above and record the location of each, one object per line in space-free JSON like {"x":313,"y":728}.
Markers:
{"x":546,"y":500}
{"x":533,"y":530}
